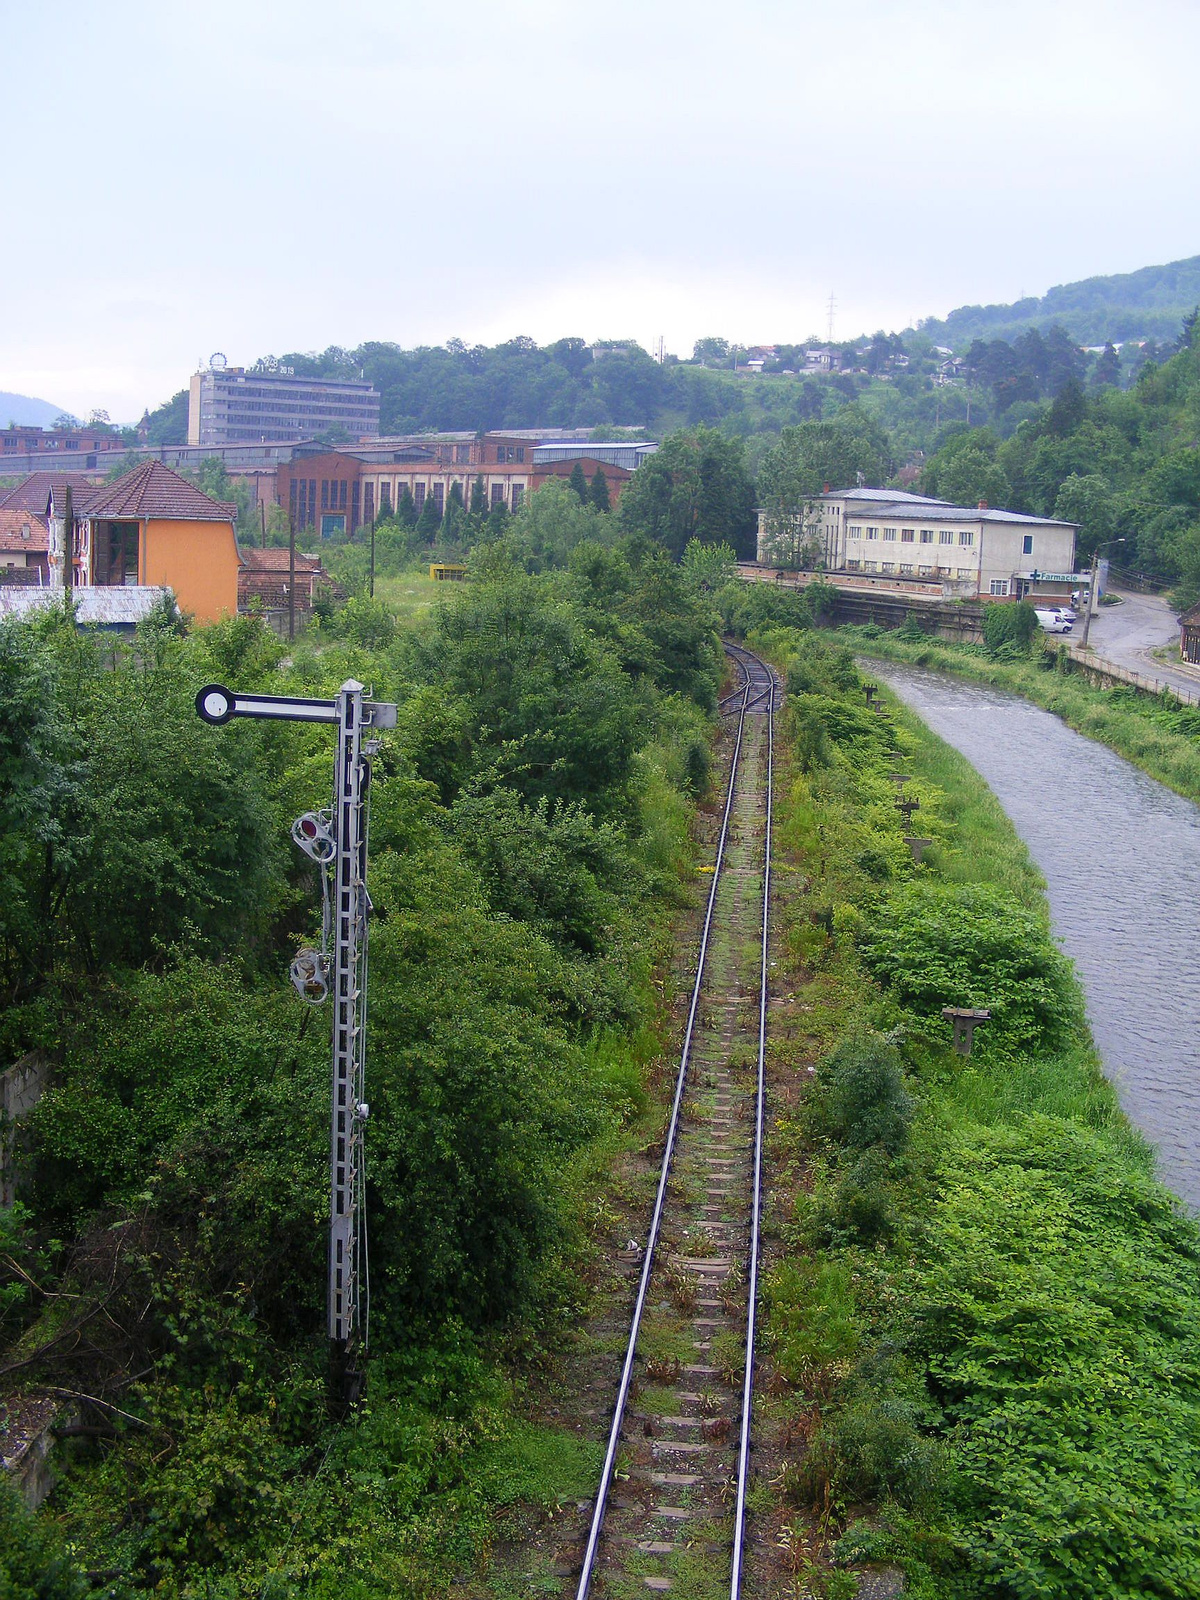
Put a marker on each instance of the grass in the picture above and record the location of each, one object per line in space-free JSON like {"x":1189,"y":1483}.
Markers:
{"x":413,"y":594}
{"x":1156,"y":735}
{"x":1008,"y":1371}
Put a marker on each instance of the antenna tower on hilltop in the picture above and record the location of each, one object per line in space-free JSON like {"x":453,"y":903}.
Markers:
{"x":830,"y":309}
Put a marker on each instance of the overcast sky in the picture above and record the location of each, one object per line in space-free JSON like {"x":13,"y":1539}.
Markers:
{"x":255,"y":176}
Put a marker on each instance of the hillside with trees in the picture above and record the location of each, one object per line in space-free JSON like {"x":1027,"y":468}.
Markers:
{"x":1147,"y":304}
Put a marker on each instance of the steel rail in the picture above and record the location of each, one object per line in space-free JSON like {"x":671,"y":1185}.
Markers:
{"x":614,"y":1436}
{"x":743,"y":1469}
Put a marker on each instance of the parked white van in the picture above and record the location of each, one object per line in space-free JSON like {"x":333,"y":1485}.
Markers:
{"x":1053,"y":621}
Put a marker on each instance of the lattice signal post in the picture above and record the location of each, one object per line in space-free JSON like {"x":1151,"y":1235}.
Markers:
{"x":337,"y":840}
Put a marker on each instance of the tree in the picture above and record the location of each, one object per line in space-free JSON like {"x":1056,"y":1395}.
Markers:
{"x":1106,"y":374}
{"x":452,"y":518}
{"x":1087,"y":501}
{"x":965,"y":471}
{"x":406,"y":509}
{"x":709,"y":566}
{"x":694,"y":487}
{"x":579,"y":483}
{"x":599,"y":490}
{"x":479,"y":505}
{"x":429,"y":521}
{"x":711,"y":352}
{"x":848,"y":450}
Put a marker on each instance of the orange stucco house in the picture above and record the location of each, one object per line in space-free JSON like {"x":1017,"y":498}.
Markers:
{"x":152,"y":528}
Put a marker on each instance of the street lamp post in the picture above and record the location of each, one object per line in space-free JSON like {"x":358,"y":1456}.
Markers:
{"x":1091,"y":599}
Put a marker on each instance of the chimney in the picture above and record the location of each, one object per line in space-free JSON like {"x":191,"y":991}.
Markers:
{"x":824,"y":488}
{"x":983,"y":505}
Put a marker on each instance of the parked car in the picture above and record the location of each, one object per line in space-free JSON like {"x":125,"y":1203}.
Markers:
{"x":1054,"y":621}
{"x":1067,"y":613}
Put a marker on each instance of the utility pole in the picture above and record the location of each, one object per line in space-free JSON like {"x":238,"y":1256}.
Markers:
{"x":291,"y":577}
{"x":1091,"y":599}
{"x":832,"y":305}
{"x":262,"y":519}
{"x":336,"y":839}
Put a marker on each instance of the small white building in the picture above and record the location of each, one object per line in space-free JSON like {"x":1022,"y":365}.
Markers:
{"x":965,"y":550}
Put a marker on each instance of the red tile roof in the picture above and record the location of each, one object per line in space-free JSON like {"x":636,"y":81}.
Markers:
{"x":33,"y":492}
{"x":21,"y":530}
{"x":154,"y":490}
{"x":276,"y":560}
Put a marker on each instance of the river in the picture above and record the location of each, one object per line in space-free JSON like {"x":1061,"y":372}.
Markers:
{"x":1121,"y":858}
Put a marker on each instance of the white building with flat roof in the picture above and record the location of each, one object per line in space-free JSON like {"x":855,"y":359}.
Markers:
{"x":966,"y":550}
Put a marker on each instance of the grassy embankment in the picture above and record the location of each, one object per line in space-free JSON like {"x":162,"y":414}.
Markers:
{"x":1160,"y":736}
{"x":986,"y":1314}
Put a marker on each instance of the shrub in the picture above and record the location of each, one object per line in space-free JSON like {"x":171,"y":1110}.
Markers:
{"x":936,"y":945}
{"x":862,"y":1100}
{"x":1005,"y":623}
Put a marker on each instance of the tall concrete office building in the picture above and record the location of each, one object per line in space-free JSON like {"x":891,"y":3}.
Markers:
{"x":230,"y":405}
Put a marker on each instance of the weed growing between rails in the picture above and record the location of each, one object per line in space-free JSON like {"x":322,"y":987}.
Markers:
{"x":985,"y":1313}
{"x":1160,"y":736}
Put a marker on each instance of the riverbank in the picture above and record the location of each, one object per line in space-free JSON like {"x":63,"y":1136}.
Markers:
{"x":1159,"y":736}
{"x":986,"y":1313}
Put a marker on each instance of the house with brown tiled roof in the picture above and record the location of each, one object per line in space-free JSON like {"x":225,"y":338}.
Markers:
{"x":150,"y":528}
{"x":265,"y":574}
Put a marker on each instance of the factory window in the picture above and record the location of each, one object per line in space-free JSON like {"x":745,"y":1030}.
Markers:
{"x":439,"y":498}
{"x":418,"y":496}
{"x":872,"y":533}
{"x":906,"y":569}
{"x":926,"y":535}
{"x":852,"y":566}
{"x":946,"y":536}
{"x":518,"y":494}
{"x":966,"y":538}
{"x":890,"y":534}
{"x":907,"y":535}
{"x":870,"y":566}
{"x":497,"y":495}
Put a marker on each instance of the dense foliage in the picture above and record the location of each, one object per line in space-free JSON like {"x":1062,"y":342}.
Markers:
{"x":987,"y":1315}
{"x":529,"y":829}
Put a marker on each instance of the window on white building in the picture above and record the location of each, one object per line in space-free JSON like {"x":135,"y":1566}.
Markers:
{"x":926,"y":535}
{"x":907,"y":535}
{"x":889,"y":533}
{"x":870,"y":566}
{"x":999,"y":586}
{"x":965,"y":572}
{"x":1027,"y":545}
{"x":966,"y":538}
{"x":906,"y":569}
{"x":946,"y":536}
{"x":852,"y":566}
{"x":872,"y":533}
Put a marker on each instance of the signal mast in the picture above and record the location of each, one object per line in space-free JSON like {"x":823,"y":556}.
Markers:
{"x":336,"y":839}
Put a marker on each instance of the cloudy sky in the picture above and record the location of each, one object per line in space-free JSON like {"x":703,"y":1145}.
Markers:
{"x":255,"y":176}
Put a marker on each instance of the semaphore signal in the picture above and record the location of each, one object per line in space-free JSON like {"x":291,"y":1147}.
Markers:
{"x":336,"y":839}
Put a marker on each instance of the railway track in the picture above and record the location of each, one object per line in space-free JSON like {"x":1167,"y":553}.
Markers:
{"x":671,"y":1502}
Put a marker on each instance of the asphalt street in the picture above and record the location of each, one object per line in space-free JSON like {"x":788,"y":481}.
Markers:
{"x":1128,"y":634}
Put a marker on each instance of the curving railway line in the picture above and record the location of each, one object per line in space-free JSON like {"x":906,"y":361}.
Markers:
{"x":671,"y":1502}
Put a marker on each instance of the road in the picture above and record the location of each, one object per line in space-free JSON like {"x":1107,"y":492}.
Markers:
{"x":1128,"y":634}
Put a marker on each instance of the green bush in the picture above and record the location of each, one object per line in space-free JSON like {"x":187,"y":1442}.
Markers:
{"x":861,"y":1099}
{"x":1006,"y":623}
{"x":941,"y":944}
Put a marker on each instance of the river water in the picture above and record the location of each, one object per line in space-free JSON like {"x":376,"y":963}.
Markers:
{"x":1121,"y":857}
